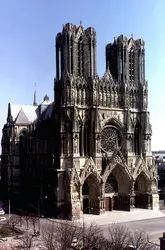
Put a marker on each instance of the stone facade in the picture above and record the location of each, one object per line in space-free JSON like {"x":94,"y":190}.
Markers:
{"x":96,"y":144}
{"x":21,"y":119}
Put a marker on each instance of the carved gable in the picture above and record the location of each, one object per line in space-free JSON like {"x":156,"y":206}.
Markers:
{"x":89,"y":168}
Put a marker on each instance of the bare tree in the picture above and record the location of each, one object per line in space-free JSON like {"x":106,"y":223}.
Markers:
{"x":67,"y":234}
{"x":118,"y":237}
{"x":49,"y":237}
{"x":139,"y":239}
{"x":20,"y":220}
{"x":27,"y":241}
{"x":27,"y":218}
{"x":14,"y":220}
{"x":92,"y":236}
{"x":61,"y":236}
{"x":70,"y":235}
{"x":34,"y":220}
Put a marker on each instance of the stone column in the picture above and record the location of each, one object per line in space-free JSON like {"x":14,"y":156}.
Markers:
{"x":132,"y":196}
{"x":149,"y":200}
{"x":62,"y":144}
{"x":155,"y":201}
{"x":82,"y":140}
{"x":101,"y":205}
{"x":132,"y":201}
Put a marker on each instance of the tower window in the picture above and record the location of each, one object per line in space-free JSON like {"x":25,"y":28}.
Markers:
{"x":131,"y":65}
{"x":59,"y":56}
{"x":71,"y":55}
{"x":80,"y":57}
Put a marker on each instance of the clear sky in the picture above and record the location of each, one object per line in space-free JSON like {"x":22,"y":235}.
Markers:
{"x":27,"y":46}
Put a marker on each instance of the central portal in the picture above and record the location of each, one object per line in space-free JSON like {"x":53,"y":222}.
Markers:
{"x":111,"y":193}
{"x":116,"y":190}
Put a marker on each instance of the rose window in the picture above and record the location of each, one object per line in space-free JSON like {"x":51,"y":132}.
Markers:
{"x":110,"y":139}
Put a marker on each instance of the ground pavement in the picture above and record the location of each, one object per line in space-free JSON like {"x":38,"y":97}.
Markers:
{"x":123,"y":216}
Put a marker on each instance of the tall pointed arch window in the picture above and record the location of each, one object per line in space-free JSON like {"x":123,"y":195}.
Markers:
{"x":137,"y":139}
{"x":87,"y":138}
{"x":142,"y":66}
{"x":131,"y":65}
{"x":71,"y":47}
{"x":80,"y":57}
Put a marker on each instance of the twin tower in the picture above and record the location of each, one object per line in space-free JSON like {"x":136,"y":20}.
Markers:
{"x":125,"y":66}
{"x":76,"y":54}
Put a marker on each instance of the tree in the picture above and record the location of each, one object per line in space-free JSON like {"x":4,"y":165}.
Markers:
{"x":70,"y":235}
{"x":14,"y":220}
{"x":139,"y":239}
{"x":118,"y":236}
{"x":27,"y":218}
{"x":92,"y":236}
{"x":49,"y":236}
{"x":34,"y":220}
{"x":61,"y":236}
{"x":67,"y":234}
{"x":20,"y":220}
{"x":27,"y":241}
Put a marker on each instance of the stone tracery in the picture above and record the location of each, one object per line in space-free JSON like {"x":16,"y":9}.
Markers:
{"x":109,"y":139}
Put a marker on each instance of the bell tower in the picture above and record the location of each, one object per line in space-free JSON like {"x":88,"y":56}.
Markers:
{"x":126,"y":59}
{"x":75,"y":51}
{"x":75,"y":69}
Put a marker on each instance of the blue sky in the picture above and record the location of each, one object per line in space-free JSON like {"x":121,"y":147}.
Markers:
{"x":27,"y":46}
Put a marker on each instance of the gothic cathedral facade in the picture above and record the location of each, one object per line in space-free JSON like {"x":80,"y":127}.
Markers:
{"x":104,"y":131}
{"x":89,"y":151}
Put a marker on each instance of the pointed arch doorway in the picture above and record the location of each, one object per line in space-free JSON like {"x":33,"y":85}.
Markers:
{"x":116,"y":189}
{"x":111,"y":190}
{"x":142,"y":198}
{"x":91,"y":194}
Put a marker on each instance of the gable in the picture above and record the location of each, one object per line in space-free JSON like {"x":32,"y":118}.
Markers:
{"x":22,"y":118}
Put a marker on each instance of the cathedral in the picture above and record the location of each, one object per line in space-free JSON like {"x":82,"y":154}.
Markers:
{"x":88,"y":151}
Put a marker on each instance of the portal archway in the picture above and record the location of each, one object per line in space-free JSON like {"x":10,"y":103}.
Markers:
{"x":116,"y":189}
{"x":91,"y":194}
{"x":111,"y":192}
{"x":141,"y":189}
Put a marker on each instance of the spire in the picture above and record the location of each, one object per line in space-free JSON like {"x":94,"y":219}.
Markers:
{"x":9,"y":115}
{"x":34,"y":102}
{"x":80,"y":23}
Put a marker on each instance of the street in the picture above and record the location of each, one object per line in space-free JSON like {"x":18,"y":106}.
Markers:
{"x":150,"y":226}
{"x":153,"y":227}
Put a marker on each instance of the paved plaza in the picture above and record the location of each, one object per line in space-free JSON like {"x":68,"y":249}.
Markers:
{"x":123,"y":216}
